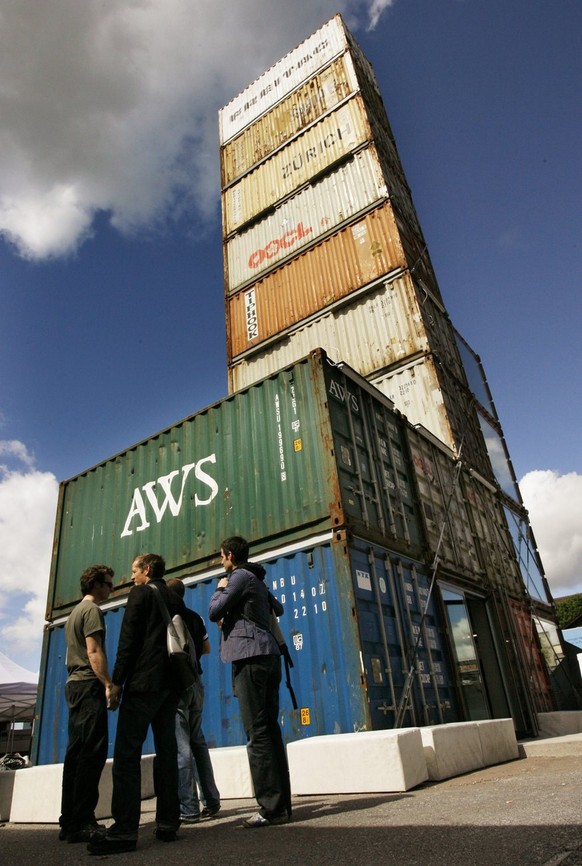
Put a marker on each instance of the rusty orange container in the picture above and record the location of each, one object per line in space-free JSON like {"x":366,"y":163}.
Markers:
{"x":343,"y":263}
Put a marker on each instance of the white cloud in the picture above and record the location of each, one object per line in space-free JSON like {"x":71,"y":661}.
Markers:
{"x":554,"y":503}
{"x":15,"y":450}
{"x":28,"y":500}
{"x":375,"y":11}
{"x":111,"y":105}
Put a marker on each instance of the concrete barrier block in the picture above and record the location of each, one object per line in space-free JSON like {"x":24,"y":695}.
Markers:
{"x":498,"y":741}
{"x":36,"y":795}
{"x":232,"y":773}
{"x":451,"y":750}
{"x":560,"y":724}
{"x":36,"y":798}
{"x":366,"y":762}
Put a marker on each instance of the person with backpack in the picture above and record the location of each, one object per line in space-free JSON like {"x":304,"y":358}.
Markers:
{"x":243,"y":606}
{"x":194,"y":763}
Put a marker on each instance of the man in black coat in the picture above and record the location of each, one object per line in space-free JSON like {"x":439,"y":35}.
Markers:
{"x":150,"y":697}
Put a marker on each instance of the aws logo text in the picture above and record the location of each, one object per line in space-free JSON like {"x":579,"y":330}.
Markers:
{"x":155,"y":498}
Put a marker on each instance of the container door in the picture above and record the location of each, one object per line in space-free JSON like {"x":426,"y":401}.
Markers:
{"x":404,"y":664}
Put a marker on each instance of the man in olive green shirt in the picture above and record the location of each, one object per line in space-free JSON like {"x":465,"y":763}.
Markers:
{"x":89,"y":693}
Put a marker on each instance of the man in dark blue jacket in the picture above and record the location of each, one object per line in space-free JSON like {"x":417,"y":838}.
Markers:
{"x":243,"y":605}
{"x":150,"y":697}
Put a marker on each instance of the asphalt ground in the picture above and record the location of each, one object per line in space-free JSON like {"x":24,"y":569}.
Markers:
{"x":524,"y":813}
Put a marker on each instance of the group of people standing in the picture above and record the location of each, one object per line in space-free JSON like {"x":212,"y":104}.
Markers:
{"x":144,"y":688}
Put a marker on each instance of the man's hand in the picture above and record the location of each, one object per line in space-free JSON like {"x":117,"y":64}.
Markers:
{"x":222,"y":583}
{"x":113,"y":695}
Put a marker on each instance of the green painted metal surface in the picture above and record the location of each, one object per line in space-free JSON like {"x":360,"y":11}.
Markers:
{"x":305,"y":450}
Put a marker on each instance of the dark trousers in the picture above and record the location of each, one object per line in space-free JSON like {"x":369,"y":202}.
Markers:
{"x":256,"y":685}
{"x":86,"y":753}
{"x":137,"y":712}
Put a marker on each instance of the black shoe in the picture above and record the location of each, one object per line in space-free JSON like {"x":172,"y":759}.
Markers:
{"x":86,"y":834}
{"x":107,"y":845}
{"x":283,"y":818}
{"x":210,"y":811}
{"x":166,"y":835}
{"x":189,"y":819}
{"x":63,"y":834}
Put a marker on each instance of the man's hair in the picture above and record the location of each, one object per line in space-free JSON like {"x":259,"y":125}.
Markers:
{"x":156,"y":562}
{"x":176,"y":585}
{"x":238,"y":546}
{"x":95,"y":574}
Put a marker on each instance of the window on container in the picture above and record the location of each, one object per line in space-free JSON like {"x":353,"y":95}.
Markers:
{"x":475,"y":375}
{"x":550,"y":642}
{"x":499,"y":460}
{"x":526,"y":556}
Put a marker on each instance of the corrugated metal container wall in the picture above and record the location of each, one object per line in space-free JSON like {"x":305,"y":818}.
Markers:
{"x":491,"y":534}
{"x":415,"y":390}
{"x":322,"y":145}
{"x":299,"y":222}
{"x":188,"y":487}
{"x":259,"y":464}
{"x":534,"y":663}
{"x":334,"y":636}
{"x":427,"y":394}
{"x":446,"y":521}
{"x":282,"y":78}
{"x":325,"y":91}
{"x":391,"y":597}
{"x":374,"y":471}
{"x":343,"y":263}
{"x":383,"y":325}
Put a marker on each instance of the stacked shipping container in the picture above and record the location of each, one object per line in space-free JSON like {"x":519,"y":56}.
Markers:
{"x":323,"y":247}
{"x":317,"y":215}
{"x":345,"y":503}
{"x":389,"y":552}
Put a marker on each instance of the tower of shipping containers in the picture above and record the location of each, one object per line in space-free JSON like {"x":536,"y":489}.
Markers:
{"x":359,"y":448}
{"x":323,"y":247}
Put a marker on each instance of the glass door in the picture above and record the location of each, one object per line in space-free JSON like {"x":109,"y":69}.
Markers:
{"x":462,"y":638}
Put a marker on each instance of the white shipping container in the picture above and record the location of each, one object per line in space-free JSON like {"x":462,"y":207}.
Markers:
{"x":416,"y":391}
{"x":322,"y":93}
{"x":383,"y":326}
{"x":318,"y":209}
{"x":323,"y":144}
{"x":278,"y":81}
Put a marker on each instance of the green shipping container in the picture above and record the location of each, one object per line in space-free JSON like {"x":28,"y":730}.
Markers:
{"x":312,"y":449}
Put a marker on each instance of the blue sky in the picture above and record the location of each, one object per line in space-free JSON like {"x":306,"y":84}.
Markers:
{"x":112,"y":323}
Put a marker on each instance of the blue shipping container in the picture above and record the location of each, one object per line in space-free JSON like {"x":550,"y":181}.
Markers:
{"x":352,"y":621}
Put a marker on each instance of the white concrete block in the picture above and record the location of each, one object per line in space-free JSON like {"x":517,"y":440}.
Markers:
{"x":232,"y":773}
{"x":366,"y":762}
{"x":498,"y":741}
{"x":36,"y":796}
{"x":451,"y":750}
{"x":560,"y":724}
